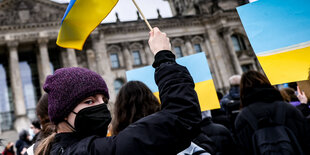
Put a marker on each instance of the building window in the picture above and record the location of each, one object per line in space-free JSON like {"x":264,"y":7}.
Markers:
{"x":30,"y":81}
{"x":6,"y":113}
{"x":114,"y":60}
{"x":238,"y":43}
{"x":118,"y":85}
{"x":246,"y":67}
{"x":136,"y":58}
{"x":197,"y":48}
{"x":178,"y":51}
{"x":30,"y":95}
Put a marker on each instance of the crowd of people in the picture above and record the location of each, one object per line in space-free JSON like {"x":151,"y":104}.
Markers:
{"x":255,"y":117}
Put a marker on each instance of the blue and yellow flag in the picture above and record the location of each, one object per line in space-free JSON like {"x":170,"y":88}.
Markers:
{"x":198,"y":67}
{"x":80,"y":19}
{"x":279,"y":32}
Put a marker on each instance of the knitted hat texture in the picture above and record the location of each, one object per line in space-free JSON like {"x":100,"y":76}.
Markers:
{"x":67,"y":87}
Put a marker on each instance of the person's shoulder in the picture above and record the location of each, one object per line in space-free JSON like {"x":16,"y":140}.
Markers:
{"x":101,"y":145}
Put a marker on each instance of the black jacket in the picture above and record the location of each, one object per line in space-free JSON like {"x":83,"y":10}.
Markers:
{"x":263,"y":100}
{"x":168,"y":131}
{"x":22,"y":142}
{"x":220,"y":135}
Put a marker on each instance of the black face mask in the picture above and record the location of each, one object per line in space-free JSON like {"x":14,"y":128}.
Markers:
{"x":92,"y":120}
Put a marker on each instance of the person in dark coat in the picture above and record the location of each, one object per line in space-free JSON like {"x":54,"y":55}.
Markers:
{"x":230,"y":104}
{"x":77,"y":101}
{"x":219,"y":134}
{"x":257,"y":93}
{"x":23,"y":142}
{"x":35,"y":128}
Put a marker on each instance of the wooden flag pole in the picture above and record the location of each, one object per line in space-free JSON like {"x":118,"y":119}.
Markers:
{"x":145,"y":20}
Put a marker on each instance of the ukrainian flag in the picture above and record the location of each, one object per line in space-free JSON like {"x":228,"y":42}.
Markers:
{"x":80,"y":19}
{"x":198,"y":67}
{"x":279,"y":32}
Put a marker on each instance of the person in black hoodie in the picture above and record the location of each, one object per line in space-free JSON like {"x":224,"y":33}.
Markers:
{"x":23,"y":142}
{"x":77,"y":101}
{"x":261,"y":98}
{"x":223,"y":142}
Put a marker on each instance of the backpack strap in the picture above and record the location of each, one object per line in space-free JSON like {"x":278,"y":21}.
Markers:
{"x":250,"y":118}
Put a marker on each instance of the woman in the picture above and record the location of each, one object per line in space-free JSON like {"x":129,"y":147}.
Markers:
{"x":78,"y":101}
{"x":47,"y":128}
{"x":133,"y":102}
{"x":263,"y":101}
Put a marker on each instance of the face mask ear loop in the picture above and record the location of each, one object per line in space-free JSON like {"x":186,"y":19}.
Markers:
{"x":70,"y":124}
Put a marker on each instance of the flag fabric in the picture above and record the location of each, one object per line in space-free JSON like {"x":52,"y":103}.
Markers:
{"x":80,"y":19}
{"x":279,"y":32}
{"x":198,"y":67}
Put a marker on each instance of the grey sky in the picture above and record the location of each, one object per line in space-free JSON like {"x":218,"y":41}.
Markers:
{"x":127,"y":11}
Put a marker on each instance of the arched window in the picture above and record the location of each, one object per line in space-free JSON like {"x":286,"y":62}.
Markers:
{"x":177,"y":47}
{"x":118,"y":83}
{"x":197,"y":48}
{"x":116,"y":56}
{"x":238,"y":43}
{"x":136,"y":57}
{"x":178,"y":51}
{"x":114,"y":60}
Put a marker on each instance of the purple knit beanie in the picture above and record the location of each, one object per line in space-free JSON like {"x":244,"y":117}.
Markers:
{"x":68,"y":87}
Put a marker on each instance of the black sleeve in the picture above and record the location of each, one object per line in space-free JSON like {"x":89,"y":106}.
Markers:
{"x":168,"y":131}
{"x":304,"y":108}
{"x":172,"y":129}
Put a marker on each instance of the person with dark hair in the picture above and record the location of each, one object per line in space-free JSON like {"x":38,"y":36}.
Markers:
{"x":136,"y":101}
{"x":9,"y":149}
{"x":23,"y":142}
{"x":77,"y":105}
{"x":46,"y":127}
{"x":133,"y":102}
{"x":42,"y":112}
{"x":267,"y":119}
{"x":35,"y":128}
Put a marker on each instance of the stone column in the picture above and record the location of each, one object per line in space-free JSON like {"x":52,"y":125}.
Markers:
{"x":91,"y":60}
{"x":218,"y":79}
{"x":148,"y":53}
{"x":227,"y":37}
{"x":102,"y":61}
{"x":215,"y":42}
{"x":71,"y":56}
{"x":189,"y":46}
{"x":21,"y":120}
{"x":101,"y":54}
{"x":127,"y":57}
{"x":43,"y":62}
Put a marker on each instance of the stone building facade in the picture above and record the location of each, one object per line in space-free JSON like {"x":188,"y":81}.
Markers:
{"x":28,"y":52}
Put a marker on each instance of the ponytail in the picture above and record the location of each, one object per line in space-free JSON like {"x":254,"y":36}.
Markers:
{"x":45,"y":145}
